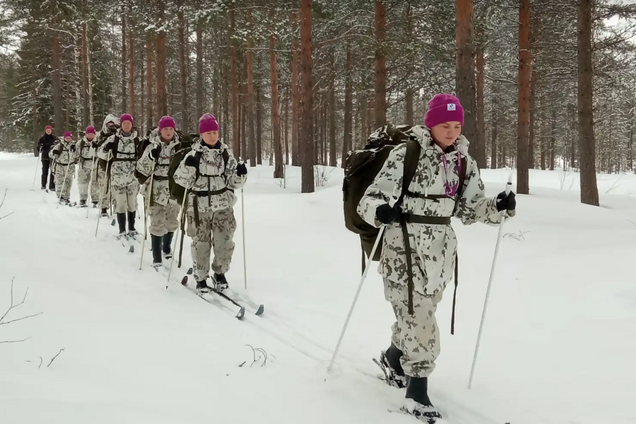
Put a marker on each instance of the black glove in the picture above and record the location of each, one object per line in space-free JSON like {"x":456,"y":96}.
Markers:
{"x":506,"y":202}
{"x":154,"y":153}
{"x":191,"y":161}
{"x":241,"y":169}
{"x":108,"y":147}
{"x":73,"y":148}
{"x":386,"y":214}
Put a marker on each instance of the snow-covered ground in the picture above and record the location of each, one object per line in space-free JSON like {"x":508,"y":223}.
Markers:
{"x":557,"y":345}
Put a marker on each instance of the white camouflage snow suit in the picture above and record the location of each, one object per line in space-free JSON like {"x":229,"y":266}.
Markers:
{"x":87,"y":169}
{"x":433,"y":246}
{"x":210,"y":202}
{"x":65,"y":156}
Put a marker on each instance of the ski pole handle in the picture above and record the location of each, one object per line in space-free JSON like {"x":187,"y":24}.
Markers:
{"x":509,"y":184}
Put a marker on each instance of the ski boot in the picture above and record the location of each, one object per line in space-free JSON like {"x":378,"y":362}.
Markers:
{"x":104,"y":213}
{"x":202,"y":287}
{"x":220,"y":282}
{"x":94,"y":205}
{"x":82,"y":204}
{"x":156,"y":252}
{"x":167,"y":242}
{"x":131,"y":225}
{"x":389,"y":362}
{"x":417,"y":402}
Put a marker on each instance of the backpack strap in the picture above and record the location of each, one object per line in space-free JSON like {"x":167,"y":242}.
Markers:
{"x":411,"y":159}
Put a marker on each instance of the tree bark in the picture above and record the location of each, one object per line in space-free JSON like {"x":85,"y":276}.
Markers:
{"x":183,"y":66}
{"x":84,"y":52}
{"x":465,"y":78}
{"x":587,"y":152}
{"x":258,"y":122}
{"x":236,"y":141}
{"x":295,"y":63}
{"x":307,"y":185}
{"x":149,"y":100}
{"x":273,"y":74}
{"x":348,"y":107}
{"x":162,"y":101}
{"x":380,"y":63}
{"x":493,"y":136}
{"x":250,"y":91}
{"x":124,"y":89}
{"x":199,"y":77}
{"x":332,"y":111}
{"x":481,"y":119}
{"x":524,"y":98}
{"x":57,"y":82}
{"x":131,"y":70}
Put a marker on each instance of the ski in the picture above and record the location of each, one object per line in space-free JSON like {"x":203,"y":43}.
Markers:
{"x":126,"y":242}
{"x":200,"y":294}
{"x":258,"y":307}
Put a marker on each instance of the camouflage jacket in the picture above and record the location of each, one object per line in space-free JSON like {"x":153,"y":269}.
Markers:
{"x":63,"y":154}
{"x":214,"y":176}
{"x":160,"y":187}
{"x":122,"y":164}
{"x":434,"y":246}
{"x":85,"y":153}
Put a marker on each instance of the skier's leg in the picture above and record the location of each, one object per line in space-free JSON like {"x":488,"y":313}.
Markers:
{"x":223,"y":228}
{"x":201,"y":235}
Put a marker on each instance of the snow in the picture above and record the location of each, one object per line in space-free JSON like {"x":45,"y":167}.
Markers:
{"x":557,"y":345}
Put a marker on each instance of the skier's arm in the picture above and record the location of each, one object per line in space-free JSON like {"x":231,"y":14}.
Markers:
{"x":385,"y":186}
{"x":185,"y":174}
{"x":40,"y":144}
{"x":147,"y":159}
{"x":233,"y":179}
{"x":104,"y":152}
{"x":473,"y":206}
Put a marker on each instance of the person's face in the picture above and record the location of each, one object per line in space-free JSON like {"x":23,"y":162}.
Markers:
{"x":90,"y":136}
{"x":126,"y":126}
{"x":48,"y":131}
{"x":210,"y":137}
{"x":68,"y":139}
{"x":167,"y":133}
{"x":446,"y":133}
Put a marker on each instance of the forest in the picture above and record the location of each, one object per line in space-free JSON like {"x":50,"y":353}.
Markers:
{"x":546,"y":84}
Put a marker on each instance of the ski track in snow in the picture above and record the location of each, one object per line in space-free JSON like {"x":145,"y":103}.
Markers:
{"x":553,"y":349}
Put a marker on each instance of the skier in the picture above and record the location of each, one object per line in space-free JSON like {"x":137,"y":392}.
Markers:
{"x":109,"y":128}
{"x":210,"y":174}
{"x":163,"y":209}
{"x":120,"y":150}
{"x":425,"y":212}
{"x":64,"y":155}
{"x":44,"y":147}
{"x":87,"y":168}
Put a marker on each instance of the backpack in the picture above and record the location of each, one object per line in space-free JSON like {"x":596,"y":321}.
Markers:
{"x":177,"y":191}
{"x":361,"y":168}
{"x":140,"y":148}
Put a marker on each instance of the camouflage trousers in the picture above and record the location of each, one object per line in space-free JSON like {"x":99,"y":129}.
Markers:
{"x":164,"y":219}
{"x":215,"y":231}
{"x":126,"y":197}
{"x":103,"y":186}
{"x":417,"y":335}
{"x":84,"y":180}
{"x":63,"y":186}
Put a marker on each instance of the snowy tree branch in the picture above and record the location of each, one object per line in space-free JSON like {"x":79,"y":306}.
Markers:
{"x":13,"y":306}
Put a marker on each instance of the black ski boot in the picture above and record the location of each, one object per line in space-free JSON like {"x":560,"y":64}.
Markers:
{"x":202,"y":287}
{"x":104,"y":212}
{"x":417,"y":402}
{"x":121,"y":220}
{"x":82,"y":203}
{"x":220,"y":282}
{"x":94,"y":205}
{"x":156,"y":251}
{"x":391,"y":367}
{"x":167,"y":242}
{"x":131,"y":224}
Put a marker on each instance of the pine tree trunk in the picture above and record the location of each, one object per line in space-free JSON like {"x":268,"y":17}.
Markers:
{"x":199,"y":83}
{"x":86,"y":116}
{"x":250,"y":91}
{"x":131,"y":71}
{"x":162,"y":100}
{"x":236,"y":141}
{"x":258,"y":122}
{"x":481,"y":119}
{"x":493,"y":136}
{"x":543,"y":142}
{"x":183,"y":66}
{"x":552,"y":138}
{"x":295,"y":93}
{"x":332,"y":111}
{"x":273,"y":74}
{"x":348,"y":108}
{"x":57,"y":81}
{"x":306,"y":63}
{"x":380,"y":63}
{"x":587,"y":153}
{"x":149,"y":100}
{"x":465,"y":78}
{"x":286,"y":130}
{"x":124,"y":88}
{"x":524,"y":98}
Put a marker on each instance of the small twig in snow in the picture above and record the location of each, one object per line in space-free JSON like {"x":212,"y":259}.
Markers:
{"x":41,"y":360}
{"x":58,"y":354}
{"x":15,"y":341}
{"x":12,"y":306}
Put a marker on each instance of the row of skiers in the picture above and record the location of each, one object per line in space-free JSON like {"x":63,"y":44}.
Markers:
{"x":117,"y":164}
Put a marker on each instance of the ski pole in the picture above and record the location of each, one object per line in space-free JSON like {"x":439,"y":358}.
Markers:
{"x":68,"y":165}
{"x":355,"y":298}
{"x":146,"y":205}
{"x":183,"y":217}
{"x":99,"y":215}
{"x":243,"y":225}
{"x":492,"y":271}
{"x":35,"y":174}
{"x":90,"y":182}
